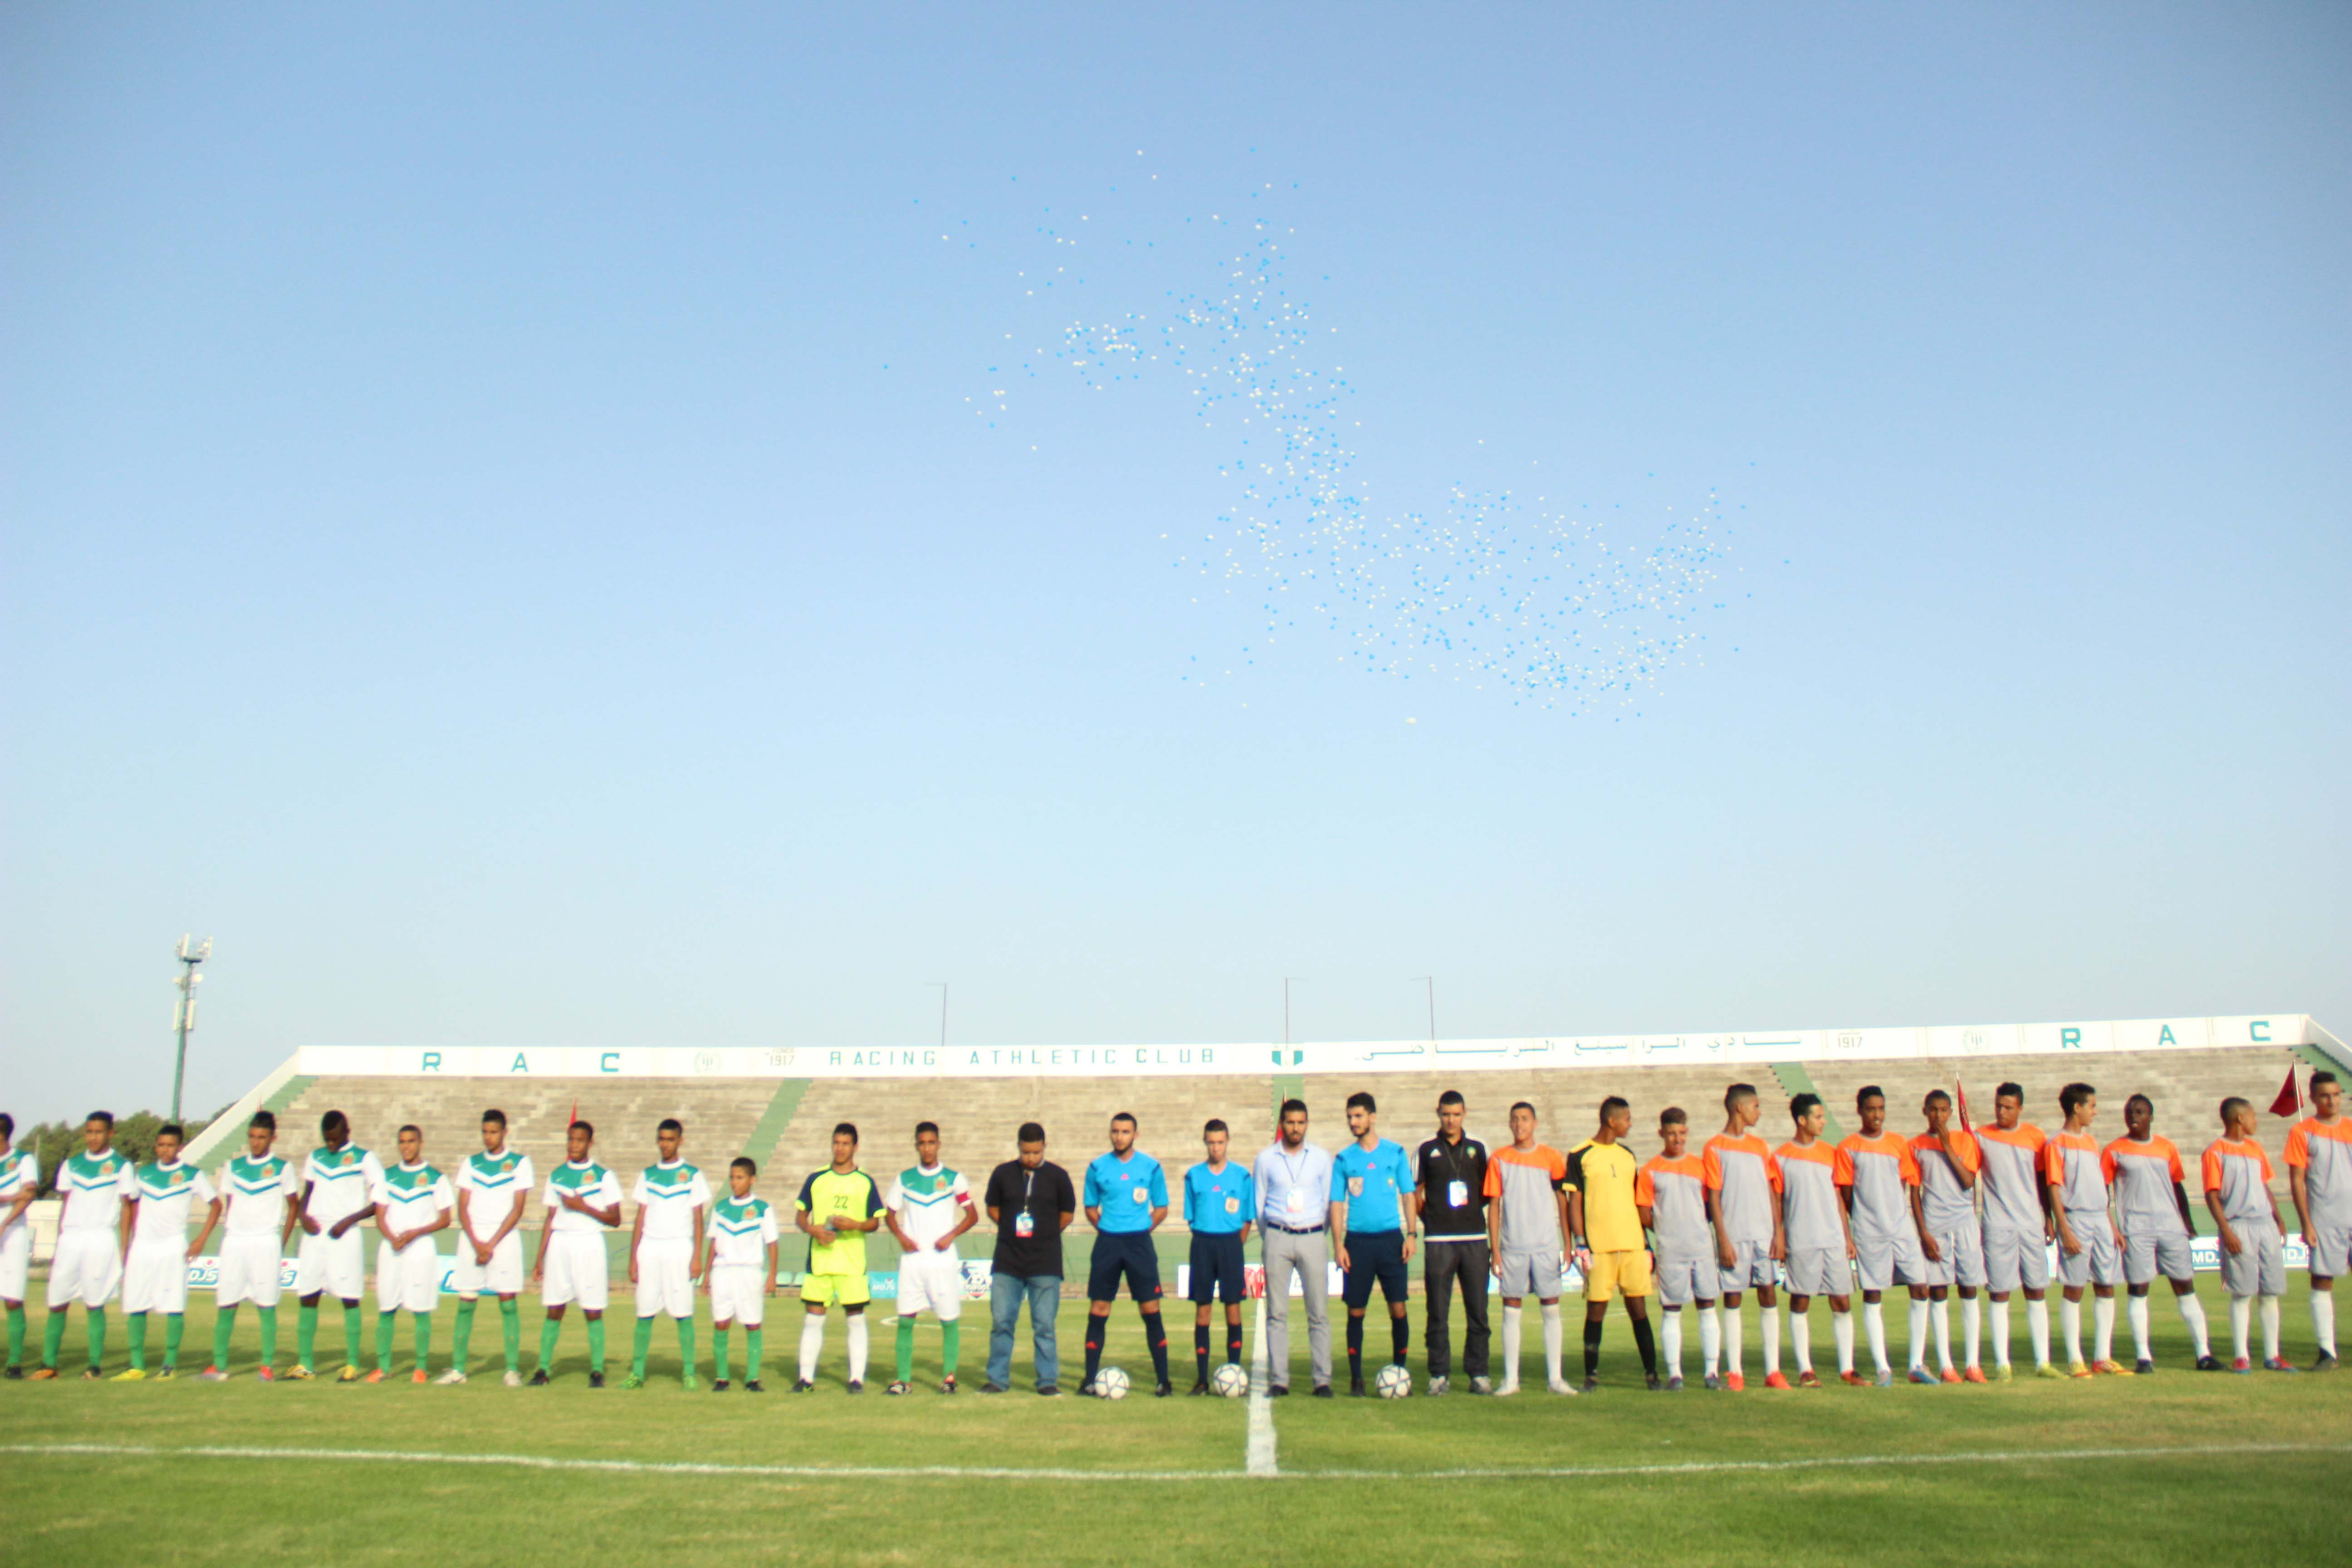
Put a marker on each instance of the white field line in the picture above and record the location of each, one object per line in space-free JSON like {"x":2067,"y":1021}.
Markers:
{"x":1258,"y":1457}
{"x":984,"y":1472}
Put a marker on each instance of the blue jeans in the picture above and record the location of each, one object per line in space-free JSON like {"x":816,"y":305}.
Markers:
{"x":1005,"y":1292}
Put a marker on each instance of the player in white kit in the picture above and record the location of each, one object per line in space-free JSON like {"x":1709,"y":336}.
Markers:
{"x":263,"y":1202}
{"x":743,"y":1237}
{"x":1880,"y":1176}
{"x":2319,"y":1179}
{"x":493,"y":1184}
{"x":20,"y":1180}
{"x":155,"y":1270}
{"x":583,"y":1202}
{"x":339,"y":1186}
{"x":929,"y":1207}
{"x":666,"y":1249}
{"x":96,"y":1185}
{"x":2144,"y":1172}
{"x":2016,"y":1227}
{"x":1671,"y":1191}
{"x":1743,"y":1199}
{"x":1821,"y":1246}
{"x":2253,"y":1265}
{"x":1951,"y":1239}
{"x":2089,"y":1242}
{"x":412,"y":1205}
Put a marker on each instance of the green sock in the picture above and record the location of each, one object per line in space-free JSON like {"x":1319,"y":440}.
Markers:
{"x":134,"y":1327}
{"x":268,"y":1316}
{"x":53,"y":1337}
{"x":645,"y":1344}
{"x":174,"y":1325}
{"x":424,"y":1340}
{"x":686,"y":1343}
{"x":511,"y":1320}
{"x":753,"y":1343}
{"x":306,"y":1335}
{"x":596,"y":1345}
{"x":352,"y":1332}
{"x":385,"y":1324}
{"x":953,"y":1333}
{"x":906,"y":1349}
{"x":719,"y":1351}
{"x":95,"y":1319}
{"x":462,"y":1336}
{"x":16,"y":1334}
{"x":224,"y":1325}
{"x":547,"y":1332}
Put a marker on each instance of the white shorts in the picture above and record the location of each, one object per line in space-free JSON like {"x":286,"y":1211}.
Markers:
{"x":337,"y":1265}
{"x":1963,"y":1263}
{"x":931,"y":1282}
{"x":1682,"y":1280}
{"x":155,"y":1279}
{"x":1881,"y":1263}
{"x":86,"y":1268}
{"x":503,"y":1276}
{"x":739,"y":1294}
{"x":664,"y":1265}
{"x":2146,"y":1256}
{"x":2331,"y":1254}
{"x":15,"y":1263}
{"x":1531,"y":1273}
{"x":2014,"y":1260}
{"x":407,"y":1282}
{"x":248,"y":1270}
{"x":575,"y":1270}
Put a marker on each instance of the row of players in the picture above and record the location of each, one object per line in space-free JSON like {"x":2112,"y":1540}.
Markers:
{"x":1944,"y":1211}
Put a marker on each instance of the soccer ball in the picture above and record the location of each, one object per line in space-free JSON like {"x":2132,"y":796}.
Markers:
{"x":1230,"y":1380}
{"x":1110,"y":1383}
{"x":1392,"y":1381}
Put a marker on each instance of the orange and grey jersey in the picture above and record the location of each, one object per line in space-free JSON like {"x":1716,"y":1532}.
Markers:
{"x":1674,"y":1191}
{"x":2070,"y":1164}
{"x":1528,"y":1180}
{"x":2012,"y":1179}
{"x":1881,"y":1171}
{"x":1809,"y":1197}
{"x":2143,"y":1175}
{"x":2323,"y":1151}
{"x":1949,"y":1205}
{"x":1745,"y":1183}
{"x":2241,"y":1173}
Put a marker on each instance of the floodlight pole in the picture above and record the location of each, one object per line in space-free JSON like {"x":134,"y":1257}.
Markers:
{"x":183,"y":1012}
{"x":1286,"y":1004}
{"x":943,"y":1010}
{"x":1430,"y":982}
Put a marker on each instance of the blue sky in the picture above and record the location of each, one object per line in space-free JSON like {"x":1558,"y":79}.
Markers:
{"x":461,"y":546}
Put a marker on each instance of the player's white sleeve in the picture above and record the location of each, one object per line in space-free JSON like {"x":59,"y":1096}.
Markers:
{"x":445,"y":1196}
{"x":637,"y":1192}
{"x":771,"y":1232}
{"x":700,"y":1192}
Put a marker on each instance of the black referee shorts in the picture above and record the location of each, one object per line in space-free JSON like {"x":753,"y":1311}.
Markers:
{"x":1217,"y":1269}
{"x":1128,"y":1253}
{"x":1375,"y":1257}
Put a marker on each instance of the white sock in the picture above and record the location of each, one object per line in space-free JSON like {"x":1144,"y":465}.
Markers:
{"x":2271,"y":1328}
{"x":1768,"y":1325}
{"x":2000,"y":1333}
{"x":1710,"y":1336}
{"x":1670,"y":1336}
{"x":1511,"y":1346}
{"x":1731,"y":1345}
{"x":1972,"y":1329}
{"x":1800,"y":1338}
{"x":1874,"y":1328}
{"x":2037,"y":1329}
{"x":2136,"y":1309}
{"x":2323,"y":1319}
{"x":2192,"y":1312}
{"x":1918,"y":1325}
{"x":1841,"y":1330}
{"x":1551,"y":1342}
{"x":811,"y":1342}
{"x":857,"y":1347}
{"x":2242,"y":1323}
{"x":2070,"y":1323}
{"x":2103,"y":1327}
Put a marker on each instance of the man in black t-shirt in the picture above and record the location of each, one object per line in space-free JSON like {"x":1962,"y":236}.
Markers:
{"x":1032,"y":1202}
{"x":1450,"y":1192}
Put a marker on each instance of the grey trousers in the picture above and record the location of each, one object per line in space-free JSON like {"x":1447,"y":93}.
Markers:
{"x":1309,"y":1256}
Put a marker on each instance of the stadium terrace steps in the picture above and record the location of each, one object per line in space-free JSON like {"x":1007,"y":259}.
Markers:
{"x":760,"y":1143}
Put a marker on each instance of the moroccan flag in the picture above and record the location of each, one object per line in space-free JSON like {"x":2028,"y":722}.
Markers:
{"x":1960,"y":1098}
{"x":2290,"y":1100}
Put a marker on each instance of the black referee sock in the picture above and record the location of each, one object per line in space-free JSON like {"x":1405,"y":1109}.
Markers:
{"x":1355,"y":1348}
{"x":1649,"y":1346}
{"x":1094,"y":1344}
{"x":1399,"y":1338}
{"x":1592,"y":1348}
{"x":1155,"y":1335}
{"x":1233,"y":1343}
{"x":1201,"y":1349}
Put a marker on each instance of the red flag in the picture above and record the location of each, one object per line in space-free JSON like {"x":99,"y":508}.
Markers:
{"x":1960,"y":1092}
{"x":575,"y":1112}
{"x":2290,"y":1100}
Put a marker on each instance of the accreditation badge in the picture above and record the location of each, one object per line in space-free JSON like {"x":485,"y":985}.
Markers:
{"x":1023,"y":1225}
{"x":1457,"y":1193}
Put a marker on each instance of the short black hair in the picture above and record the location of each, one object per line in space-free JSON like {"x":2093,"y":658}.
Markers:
{"x":931,"y":1127}
{"x":2231,"y":1106}
{"x":328,"y":1124}
{"x":1612,"y":1105}
{"x":494,"y":1116}
{"x":1127,"y":1116}
{"x":172,"y":1129}
{"x":850,"y":1127}
{"x":409,"y":1128}
{"x":2140,"y":1100}
{"x":670,"y":1124}
{"x":264,"y":1120}
{"x":1031,"y":1132}
{"x":2321,"y":1076}
{"x":7,"y":1125}
{"x":2073,"y":1095}
{"x":1451,"y":1097}
{"x":2015,"y":1091}
{"x":1216,"y":1124}
{"x":1802,"y":1106}
{"x":1288,"y":1106}
{"x":105,"y":1116}
{"x":1673,"y":1116}
{"x":1868,"y":1092}
{"x":587,"y":1127}
{"x":745,"y":1163}
{"x":1933,"y":1095}
{"x":1737,"y":1092}
{"x":1359,"y":1101}
{"x":1519,"y":1105}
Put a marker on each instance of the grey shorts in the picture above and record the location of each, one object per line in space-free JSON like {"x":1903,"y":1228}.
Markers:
{"x":1963,"y":1263}
{"x":1753,"y":1266}
{"x":2146,"y":1256}
{"x":1820,"y":1271}
{"x":1530,"y":1273}
{"x":1682,"y":1280}
{"x":1886,"y":1262}
{"x":2259,"y":1268}
{"x":2097,"y":1264}
{"x":2331,"y":1251}
{"x":2014,"y":1259}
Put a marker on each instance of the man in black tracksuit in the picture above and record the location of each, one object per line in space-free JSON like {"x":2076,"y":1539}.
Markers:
{"x":1450,"y":1192}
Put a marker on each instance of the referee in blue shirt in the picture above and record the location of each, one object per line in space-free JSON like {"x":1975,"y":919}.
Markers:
{"x":1220,"y":1205}
{"x":1370,"y":1206}
{"x":1126,"y":1198}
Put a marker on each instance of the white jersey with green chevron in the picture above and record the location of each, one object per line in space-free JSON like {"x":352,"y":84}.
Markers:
{"x":930,"y":1204}
{"x":668,"y":1195}
{"x":256,"y":1191}
{"x":742,"y":1233}
{"x":414,"y":1195}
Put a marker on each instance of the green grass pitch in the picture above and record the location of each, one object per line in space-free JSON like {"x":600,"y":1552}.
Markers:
{"x":2175,"y":1468}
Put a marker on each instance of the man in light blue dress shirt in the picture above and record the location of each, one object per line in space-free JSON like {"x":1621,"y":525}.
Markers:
{"x":1294,"y":1186}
